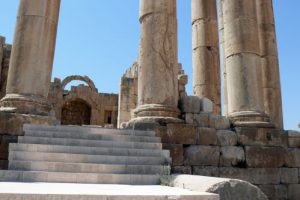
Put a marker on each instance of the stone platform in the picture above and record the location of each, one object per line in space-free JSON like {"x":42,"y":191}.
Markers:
{"x":59,"y":191}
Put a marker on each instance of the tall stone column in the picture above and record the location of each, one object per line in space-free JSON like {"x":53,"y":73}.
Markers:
{"x":206,"y":63}
{"x":158,"y":62}
{"x":31,"y":60}
{"x":270,"y":64}
{"x":2,"y":43}
{"x":223,"y":59}
{"x":243,"y":66}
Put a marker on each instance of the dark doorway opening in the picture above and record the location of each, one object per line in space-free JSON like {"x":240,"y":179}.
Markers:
{"x":76,"y":112}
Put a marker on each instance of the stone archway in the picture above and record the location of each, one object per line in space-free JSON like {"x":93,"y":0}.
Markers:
{"x":85,"y":79}
{"x":76,"y":112}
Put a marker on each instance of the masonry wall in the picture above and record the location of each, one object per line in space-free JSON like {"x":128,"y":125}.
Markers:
{"x":207,"y":145}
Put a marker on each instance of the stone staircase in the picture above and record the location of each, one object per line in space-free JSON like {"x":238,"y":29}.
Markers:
{"x":73,"y":154}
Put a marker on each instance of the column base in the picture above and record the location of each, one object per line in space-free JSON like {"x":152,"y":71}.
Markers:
{"x":12,"y":123}
{"x":157,"y":111}
{"x":250,"y":119}
{"x":25,"y":104}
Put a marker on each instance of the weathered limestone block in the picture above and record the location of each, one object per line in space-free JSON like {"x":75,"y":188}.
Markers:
{"x":253,"y":175}
{"x":228,"y":189}
{"x":232,"y":156}
{"x":202,"y":119}
{"x":293,"y":157}
{"x":294,"y":191}
{"x":194,"y":104}
{"x":275,"y":192}
{"x":182,"y":170}
{"x":11,"y":123}
{"x":226,"y":138}
{"x":180,"y":134}
{"x":261,"y":136}
{"x":219,"y":122}
{"x":190,"y":104}
{"x":176,"y":153}
{"x":289,"y":175}
{"x":207,"y":136}
{"x":202,"y":155}
{"x":206,"y":171}
{"x":207,"y":105}
{"x":265,"y":157}
{"x":294,"y":139}
{"x":189,"y":118}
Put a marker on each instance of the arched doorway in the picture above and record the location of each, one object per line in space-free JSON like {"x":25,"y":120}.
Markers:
{"x":76,"y":112}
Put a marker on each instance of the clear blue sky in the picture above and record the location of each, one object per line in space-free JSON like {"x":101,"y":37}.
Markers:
{"x":100,"y":38}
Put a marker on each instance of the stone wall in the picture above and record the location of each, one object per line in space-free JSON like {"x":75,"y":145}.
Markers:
{"x":128,"y":94}
{"x":5,"y":50}
{"x":208,"y":145}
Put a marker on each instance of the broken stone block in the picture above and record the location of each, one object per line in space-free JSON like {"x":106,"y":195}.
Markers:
{"x":176,"y":153}
{"x":265,"y":157}
{"x":207,"y":136}
{"x":226,"y":138}
{"x":202,"y":155}
{"x":289,"y":175}
{"x":275,"y":192}
{"x":206,"y":171}
{"x":232,"y":156}
{"x":228,"y":189}
{"x":181,"y":134}
{"x":202,"y":119}
{"x":259,"y":176}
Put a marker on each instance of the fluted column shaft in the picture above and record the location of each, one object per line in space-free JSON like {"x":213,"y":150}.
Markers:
{"x":223,"y":59}
{"x":158,"y":62}
{"x":205,"y":43}
{"x":32,"y":58}
{"x":270,"y":64}
{"x":243,"y":66}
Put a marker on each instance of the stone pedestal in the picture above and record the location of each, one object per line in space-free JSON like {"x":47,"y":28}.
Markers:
{"x":243,"y":64}
{"x":269,"y":60}
{"x":31,"y":63}
{"x":158,"y":70}
{"x":206,"y":64}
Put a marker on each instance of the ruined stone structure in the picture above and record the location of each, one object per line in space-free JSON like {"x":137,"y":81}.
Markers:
{"x":248,"y":143}
{"x":82,"y":105}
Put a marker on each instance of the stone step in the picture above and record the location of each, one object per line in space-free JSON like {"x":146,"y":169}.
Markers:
{"x":88,"y":143}
{"x":92,"y":136}
{"x":80,"y":158}
{"x":87,"y":168}
{"x":87,"y":129}
{"x":66,"y":177}
{"x":88,"y":150}
{"x":69,"y":191}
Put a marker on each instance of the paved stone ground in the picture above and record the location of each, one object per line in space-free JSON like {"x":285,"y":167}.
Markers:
{"x":13,"y":190}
